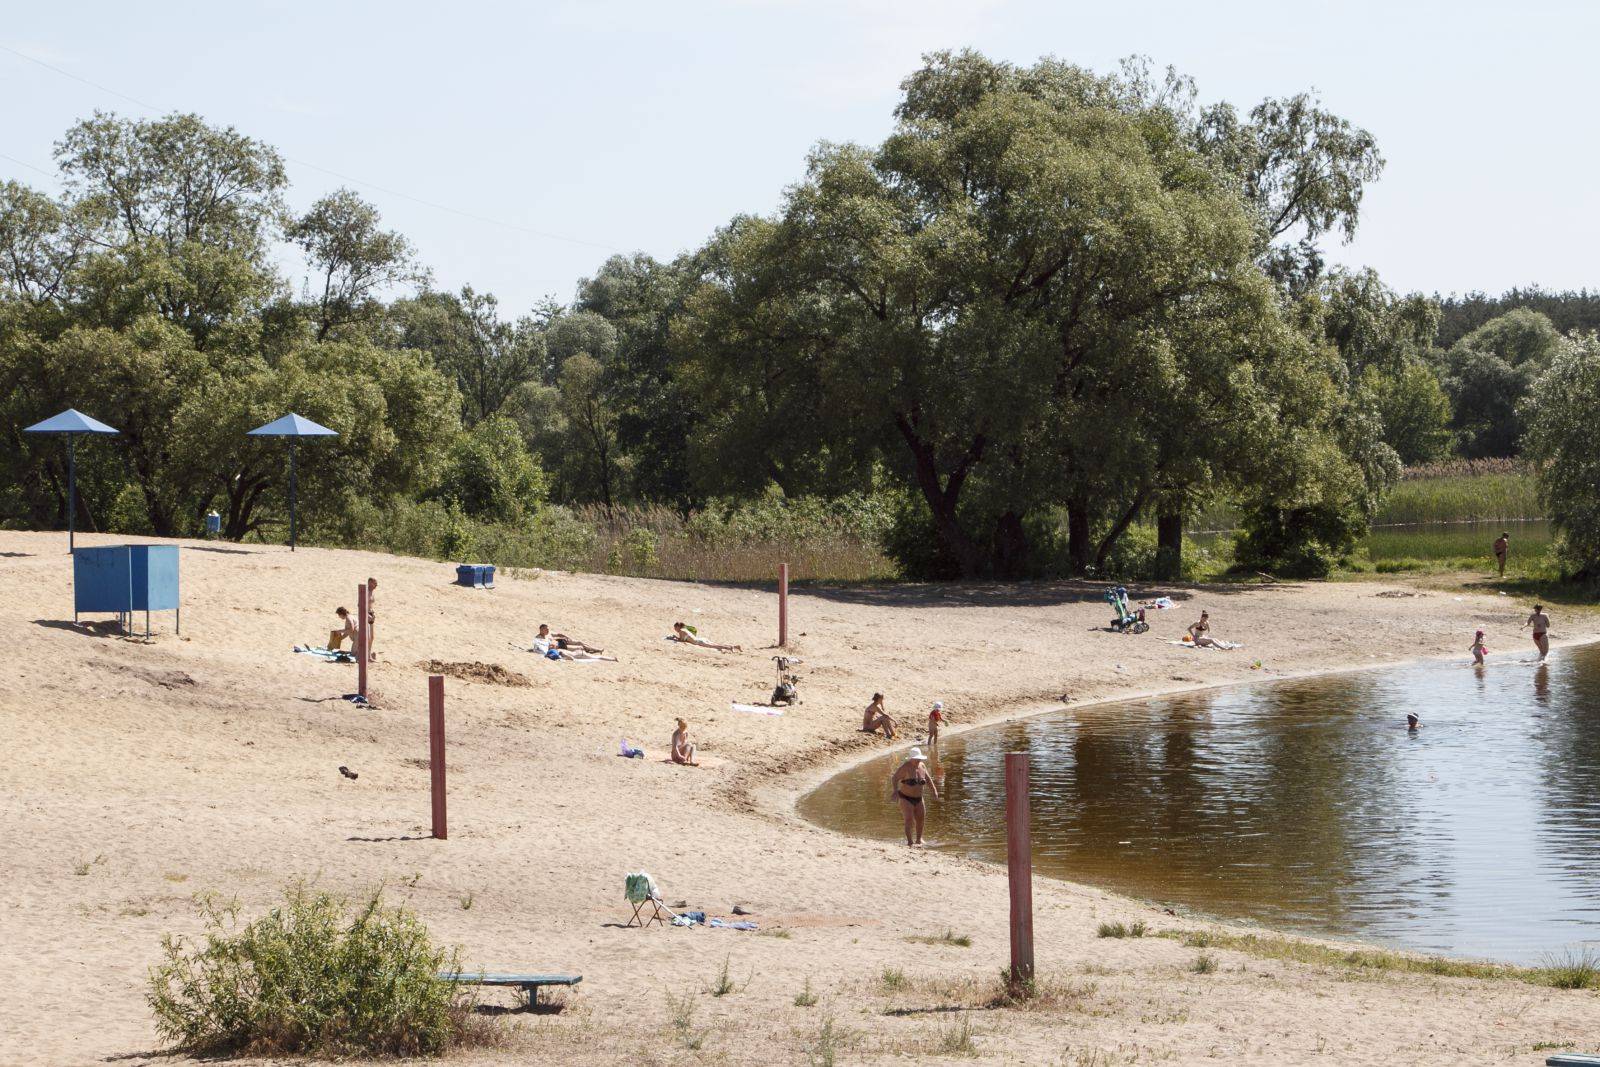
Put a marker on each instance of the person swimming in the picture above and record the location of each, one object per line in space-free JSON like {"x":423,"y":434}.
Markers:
{"x":1413,"y":724}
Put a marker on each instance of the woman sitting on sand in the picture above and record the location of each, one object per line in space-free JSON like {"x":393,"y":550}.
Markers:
{"x":680,"y":632}
{"x":1200,"y":632}
{"x":874,"y":717}
{"x":337,"y":637}
{"x":906,"y":786}
{"x":682,"y":749}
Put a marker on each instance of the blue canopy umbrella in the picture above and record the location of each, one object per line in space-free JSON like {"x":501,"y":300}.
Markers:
{"x":71,"y":422}
{"x":293,"y":427}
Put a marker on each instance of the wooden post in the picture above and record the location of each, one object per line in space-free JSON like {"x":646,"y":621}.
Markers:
{"x":783,"y":605}
{"x":436,"y":752}
{"x":361,"y":640}
{"x":1019,"y":867}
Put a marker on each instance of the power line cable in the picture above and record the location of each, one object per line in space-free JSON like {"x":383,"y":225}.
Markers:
{"x":312,"y":166}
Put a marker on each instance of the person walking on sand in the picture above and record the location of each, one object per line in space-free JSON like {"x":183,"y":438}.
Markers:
{"x":348,"y":631}
{"x":874,"y":717}
{"x":1502,"y":545}
{"x":1478,"y":649}
{"x":680,"y":632}
{"x":683,"y":749}
{"x":906,"y":786}
{"x":372,"y":617}
{"x":1541,"y":630}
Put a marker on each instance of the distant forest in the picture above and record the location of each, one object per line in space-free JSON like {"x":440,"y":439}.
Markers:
{"x":1568,"y":311}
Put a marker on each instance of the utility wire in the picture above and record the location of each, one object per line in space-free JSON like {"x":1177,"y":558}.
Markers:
{"x":312,"y":166}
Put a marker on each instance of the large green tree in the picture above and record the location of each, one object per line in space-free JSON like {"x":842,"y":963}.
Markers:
{"x":1490,"y":371}
{"x":490,"y":357}
{"x":1030,"y":294}
{"x":1561,"y":411}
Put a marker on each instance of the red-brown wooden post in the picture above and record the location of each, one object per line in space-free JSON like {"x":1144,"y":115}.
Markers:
{"x":1019,"y":867}
{"x":361,"y":640}
{"x":436,"y":752}
{"x":783,"y":605}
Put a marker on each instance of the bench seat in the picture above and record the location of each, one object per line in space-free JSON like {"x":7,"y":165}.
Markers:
{"x":528,"y":983}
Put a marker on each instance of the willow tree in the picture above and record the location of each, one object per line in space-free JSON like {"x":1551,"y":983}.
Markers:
{"x":1034,"y":293}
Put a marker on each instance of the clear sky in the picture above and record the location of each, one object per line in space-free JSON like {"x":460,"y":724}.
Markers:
{"x":644,"y":125}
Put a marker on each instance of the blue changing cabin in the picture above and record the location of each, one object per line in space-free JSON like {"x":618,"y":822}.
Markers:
{"x":125,"y":579}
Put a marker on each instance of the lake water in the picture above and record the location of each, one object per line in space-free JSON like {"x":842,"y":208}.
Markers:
{"x":1307,"y":805}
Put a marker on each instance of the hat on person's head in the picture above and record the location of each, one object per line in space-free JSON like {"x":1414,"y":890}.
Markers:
{"x":938,"y":705}
{"x":915,"y":754}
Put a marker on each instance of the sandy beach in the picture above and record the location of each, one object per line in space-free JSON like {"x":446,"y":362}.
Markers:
{"x":140,"y":774}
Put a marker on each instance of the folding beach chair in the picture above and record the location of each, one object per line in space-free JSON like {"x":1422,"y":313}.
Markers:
{"x":641,"y":892}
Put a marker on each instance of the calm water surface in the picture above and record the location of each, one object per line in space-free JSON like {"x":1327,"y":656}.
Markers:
{"x":1307,"y":804}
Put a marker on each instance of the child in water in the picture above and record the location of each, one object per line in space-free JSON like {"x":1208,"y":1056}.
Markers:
{"x":1478,"y":649}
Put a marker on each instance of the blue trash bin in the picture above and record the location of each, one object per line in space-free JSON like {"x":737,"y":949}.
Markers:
{"x":475,"y":575}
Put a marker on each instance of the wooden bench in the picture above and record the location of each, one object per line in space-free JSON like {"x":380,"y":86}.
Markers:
{"x":528,"y":983}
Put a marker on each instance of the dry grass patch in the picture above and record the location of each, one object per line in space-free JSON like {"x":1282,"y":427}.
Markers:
{"x":1570,"y":971}
{"x":949,"y":937}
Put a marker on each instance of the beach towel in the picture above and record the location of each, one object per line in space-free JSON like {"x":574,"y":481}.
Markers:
{"x":755,"y":709}
{"x":723,"y":924}
{"x":631,"y":751}
{"x":552,"y":655}
{"x":639,"y":887}
{"x":1219,"y":644}
{"x":327,"y":655}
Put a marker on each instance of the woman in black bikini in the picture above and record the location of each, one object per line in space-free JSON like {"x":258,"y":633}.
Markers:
{"x":907,"y":784}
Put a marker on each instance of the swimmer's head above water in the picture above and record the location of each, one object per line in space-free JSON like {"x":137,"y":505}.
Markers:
{"x":1412,"y":722}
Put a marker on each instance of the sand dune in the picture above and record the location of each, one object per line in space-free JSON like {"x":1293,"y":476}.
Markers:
{"x":140,"y":774}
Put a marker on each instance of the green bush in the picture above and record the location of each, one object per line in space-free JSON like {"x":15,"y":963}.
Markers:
{"x":316,"y":975}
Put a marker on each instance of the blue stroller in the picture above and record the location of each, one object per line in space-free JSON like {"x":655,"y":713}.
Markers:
{"x":1125,"y":621}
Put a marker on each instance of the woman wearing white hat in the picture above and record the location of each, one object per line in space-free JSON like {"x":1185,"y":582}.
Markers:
{"x":906,"y":784}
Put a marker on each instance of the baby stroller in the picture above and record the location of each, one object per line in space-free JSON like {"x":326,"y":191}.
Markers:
{"x":1125,"y":621}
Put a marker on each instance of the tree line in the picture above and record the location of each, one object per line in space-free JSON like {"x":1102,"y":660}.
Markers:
{"x":1050,"y":307}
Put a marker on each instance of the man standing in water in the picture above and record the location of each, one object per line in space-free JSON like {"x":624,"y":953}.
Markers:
{"x":1541,"y":630}
{"x":1502,"y":545}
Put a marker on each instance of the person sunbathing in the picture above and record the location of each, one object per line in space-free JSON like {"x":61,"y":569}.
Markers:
{"x":680,"y":632}
{"x":337,"y":637}
{"x":1200,"y":633}
{"x":874,"y":717}
{"x":683,"y":749}
{"x":562,"y":641}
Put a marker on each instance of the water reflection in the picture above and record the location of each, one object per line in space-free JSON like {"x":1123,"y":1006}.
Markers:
{"x":1309,"y":804}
